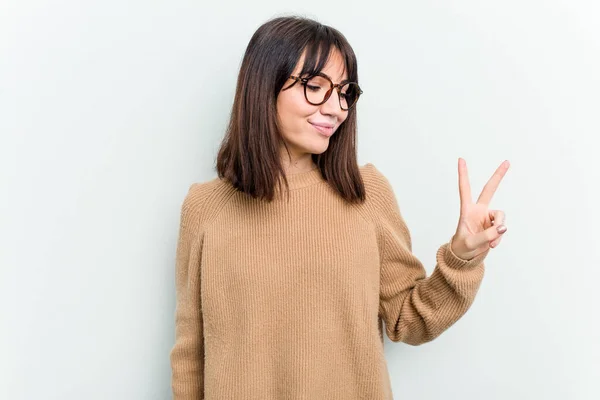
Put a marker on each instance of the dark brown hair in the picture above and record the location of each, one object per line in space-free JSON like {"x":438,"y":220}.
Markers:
{"x":249,"y":156}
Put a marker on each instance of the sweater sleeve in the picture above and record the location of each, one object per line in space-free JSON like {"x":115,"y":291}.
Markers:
{"x":187,"y":354}
{"x":416,"y":308}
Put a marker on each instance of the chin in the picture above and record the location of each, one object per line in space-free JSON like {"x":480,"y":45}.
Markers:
{"x":312,"y":145}
{"x":318,"y":149}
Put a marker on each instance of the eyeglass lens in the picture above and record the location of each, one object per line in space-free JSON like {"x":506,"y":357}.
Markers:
{"x":317,"y":87}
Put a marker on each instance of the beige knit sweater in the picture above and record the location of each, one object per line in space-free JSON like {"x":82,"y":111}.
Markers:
{"x":285,"y":300}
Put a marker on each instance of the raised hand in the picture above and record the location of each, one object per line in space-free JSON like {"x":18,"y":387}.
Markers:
{"x":479,"y":228}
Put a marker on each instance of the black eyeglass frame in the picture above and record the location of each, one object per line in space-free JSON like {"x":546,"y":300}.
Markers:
{"x":337,"y":86}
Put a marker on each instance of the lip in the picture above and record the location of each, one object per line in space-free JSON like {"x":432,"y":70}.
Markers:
{"x":324,"y":129}
{"x":323,"y":124}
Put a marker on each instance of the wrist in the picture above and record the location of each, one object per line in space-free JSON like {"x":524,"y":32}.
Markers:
{"x":465,"y":256}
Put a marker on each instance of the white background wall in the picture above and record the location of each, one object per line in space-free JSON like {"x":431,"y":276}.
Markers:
{"x":109,"y":110}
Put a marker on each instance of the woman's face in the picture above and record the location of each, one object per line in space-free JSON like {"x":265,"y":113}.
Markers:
{"x":297,"y":117}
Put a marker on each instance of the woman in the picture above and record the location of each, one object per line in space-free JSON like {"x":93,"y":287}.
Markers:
{"x":289,"y":262}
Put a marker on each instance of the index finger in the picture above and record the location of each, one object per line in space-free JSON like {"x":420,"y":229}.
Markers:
{"x":464,"y":187}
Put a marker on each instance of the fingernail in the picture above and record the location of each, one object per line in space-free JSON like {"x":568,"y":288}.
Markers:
{"x":501,"y":229}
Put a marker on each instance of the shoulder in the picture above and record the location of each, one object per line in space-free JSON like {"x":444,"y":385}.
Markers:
{"x":377,"y":185}
{"x":204,"y":200}
{"x":381,"y":203}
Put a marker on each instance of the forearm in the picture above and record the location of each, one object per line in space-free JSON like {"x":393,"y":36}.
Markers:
{"x":422,"y":312}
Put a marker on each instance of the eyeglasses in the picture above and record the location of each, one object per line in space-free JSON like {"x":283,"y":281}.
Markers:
{"x":318,"y":89}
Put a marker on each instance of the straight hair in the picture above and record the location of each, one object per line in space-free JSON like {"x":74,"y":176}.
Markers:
{"x":249,"y":155}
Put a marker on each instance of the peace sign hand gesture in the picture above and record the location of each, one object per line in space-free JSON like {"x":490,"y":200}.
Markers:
{"x":479,"y":228}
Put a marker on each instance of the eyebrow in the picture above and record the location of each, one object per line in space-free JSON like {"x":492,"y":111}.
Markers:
{"x":341,"y":82}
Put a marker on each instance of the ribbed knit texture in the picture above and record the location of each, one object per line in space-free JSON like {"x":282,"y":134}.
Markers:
{"x":285,"y":300}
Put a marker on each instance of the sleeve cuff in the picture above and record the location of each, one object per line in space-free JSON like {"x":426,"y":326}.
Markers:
{"x":454,"y":261}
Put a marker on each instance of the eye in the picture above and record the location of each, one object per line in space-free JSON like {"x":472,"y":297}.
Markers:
{"x":317,"y":83}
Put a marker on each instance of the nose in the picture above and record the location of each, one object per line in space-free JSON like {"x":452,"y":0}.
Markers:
{"x":332,"y":105}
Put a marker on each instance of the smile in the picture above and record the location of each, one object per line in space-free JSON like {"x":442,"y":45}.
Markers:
{"x":323,"y":130}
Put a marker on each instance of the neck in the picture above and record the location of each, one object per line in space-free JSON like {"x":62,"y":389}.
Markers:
{"x":295,"y":169}
{"x":295,"y":164}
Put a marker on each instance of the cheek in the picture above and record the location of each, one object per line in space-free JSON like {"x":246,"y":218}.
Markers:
{"x":340,"y":120}
{"x":293,"y":110}
{"x":343,"y":117}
